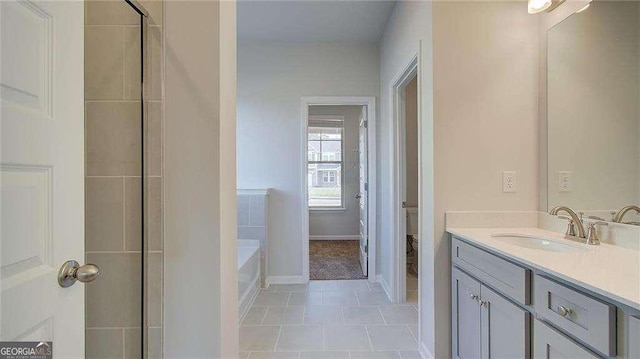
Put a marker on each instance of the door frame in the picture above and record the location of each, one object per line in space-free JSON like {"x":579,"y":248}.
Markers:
{"x":370,"y":103}
{"x":397,"y":175}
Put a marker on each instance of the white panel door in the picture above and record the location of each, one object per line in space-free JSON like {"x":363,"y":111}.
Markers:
{"x":41,"y":172}
{"x":363,"y":193}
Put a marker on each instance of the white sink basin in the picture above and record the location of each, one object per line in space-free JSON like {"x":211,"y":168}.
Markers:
{"x":541,"y":243}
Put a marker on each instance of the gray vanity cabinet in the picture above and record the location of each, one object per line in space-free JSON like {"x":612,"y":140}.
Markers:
{"x":505,"y":327}
{"x":466,"y":316}
{"x":634,"y":336}
{"x":485,"y":324}
{"x":550,"y":344}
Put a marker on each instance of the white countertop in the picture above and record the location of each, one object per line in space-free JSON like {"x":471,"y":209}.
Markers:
{"x":608,"y":270}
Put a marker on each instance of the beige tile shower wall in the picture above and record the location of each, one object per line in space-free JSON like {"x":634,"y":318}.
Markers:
{"x":113,"y":178}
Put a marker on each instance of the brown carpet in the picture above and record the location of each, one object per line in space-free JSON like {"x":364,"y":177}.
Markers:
{"x":334,"y":260}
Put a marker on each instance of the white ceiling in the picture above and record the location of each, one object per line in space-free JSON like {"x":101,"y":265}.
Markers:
{"x":347,"y":21}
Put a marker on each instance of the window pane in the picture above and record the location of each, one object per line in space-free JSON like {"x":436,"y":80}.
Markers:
{"x":324,"y":185}
{"x":331,"y":133}
{"x":313,"y":151}
{"x":331,"y":150}
{"x":314,"y":133}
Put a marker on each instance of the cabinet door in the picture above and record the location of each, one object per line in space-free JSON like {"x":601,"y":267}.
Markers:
{"x":505,"y":327}
{"x":465,"y":316}
{"x":632,"y":337}
{"x":551,"y":344}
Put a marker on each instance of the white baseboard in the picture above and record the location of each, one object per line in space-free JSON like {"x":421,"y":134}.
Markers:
{"x":385,"y":286}
{"x":425,"y":353}
{"x":284,"y":279}
{"x":247,"y":299}
{"x":354,"y":237}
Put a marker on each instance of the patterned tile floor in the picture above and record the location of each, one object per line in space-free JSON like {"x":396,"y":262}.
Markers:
{"x":348,"y":319}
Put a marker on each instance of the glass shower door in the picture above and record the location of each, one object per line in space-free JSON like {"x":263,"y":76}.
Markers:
{"x":115,"y":182}
{"x":76,"y":186}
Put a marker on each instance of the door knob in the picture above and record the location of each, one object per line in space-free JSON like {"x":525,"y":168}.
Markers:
{"x":358,"y":196}
{"x":71,"y":271}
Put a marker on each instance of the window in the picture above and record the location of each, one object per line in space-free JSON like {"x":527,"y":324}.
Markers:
{"x":329,"y":176}
{"x":325,"y":163}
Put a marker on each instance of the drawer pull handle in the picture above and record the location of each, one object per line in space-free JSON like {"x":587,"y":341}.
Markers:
{"x":564,"y":311}
{"x":477,"y":299}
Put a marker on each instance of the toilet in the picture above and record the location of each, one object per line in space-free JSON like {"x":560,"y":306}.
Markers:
{"x":412,"y":234}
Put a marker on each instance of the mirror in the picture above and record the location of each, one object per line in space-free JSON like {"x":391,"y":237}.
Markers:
{"x":593,"y":111}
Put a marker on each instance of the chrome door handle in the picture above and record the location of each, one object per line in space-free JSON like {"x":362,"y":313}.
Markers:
{"x":71,"y":271}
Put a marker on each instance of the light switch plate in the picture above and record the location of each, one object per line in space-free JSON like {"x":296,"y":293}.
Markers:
{"x":565,"y":181}
{"x":509,"y":182}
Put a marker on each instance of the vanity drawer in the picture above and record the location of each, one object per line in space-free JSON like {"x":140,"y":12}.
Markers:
{"x":550,"y":344}
{"x":633,"y":344}
{"x":585,"y":318}
{"x":508,"y":278}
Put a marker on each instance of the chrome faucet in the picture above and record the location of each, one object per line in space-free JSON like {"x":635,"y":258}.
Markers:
{"x":618,"y":217}
{"x":575,"y":223}
{"x":592,"y":232}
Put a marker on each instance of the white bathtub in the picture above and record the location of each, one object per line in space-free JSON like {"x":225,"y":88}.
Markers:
{"x":248,"y":274}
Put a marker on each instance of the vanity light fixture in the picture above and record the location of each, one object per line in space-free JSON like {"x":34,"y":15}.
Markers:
{"x":583,"y":8}
{"x":538,"y":6}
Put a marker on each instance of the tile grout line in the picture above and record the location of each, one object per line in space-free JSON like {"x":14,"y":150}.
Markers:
{"x":124,"y":65}
{"x":278,"y":338}
{"x":264,"y":316}
{"x":382,"y":315}
{"x":124,"y":215}
{"x":366,"y":328}
{"x":411,"y":333}
{"x":304,"y":313}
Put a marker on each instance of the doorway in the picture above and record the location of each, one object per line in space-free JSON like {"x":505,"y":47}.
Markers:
{"x":410,"y":203}
{"x":405,"y":179}
{"x":336,"y":199}
{"x":339,"y":235}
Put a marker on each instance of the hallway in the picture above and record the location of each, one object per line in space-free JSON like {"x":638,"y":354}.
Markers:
{"x":329,"y":319}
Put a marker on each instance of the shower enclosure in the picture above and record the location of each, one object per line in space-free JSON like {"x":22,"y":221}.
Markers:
{"x":122,"y":183}
{"x":80,"y":177}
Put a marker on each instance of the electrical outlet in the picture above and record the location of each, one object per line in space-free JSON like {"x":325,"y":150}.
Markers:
{"x":565,"y":181}
{"x":509,"y":183}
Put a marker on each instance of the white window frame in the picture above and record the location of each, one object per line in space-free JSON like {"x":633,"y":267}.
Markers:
{"x":341,"y":162}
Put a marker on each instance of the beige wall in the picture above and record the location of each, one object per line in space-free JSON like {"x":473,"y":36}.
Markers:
{"x":411,"y":145}
{"x":200,"y":305}
{"x":485,"y":120}
{"x":347,"y":222}
{"x":593,"y":112}
{"x":113,"y":219}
